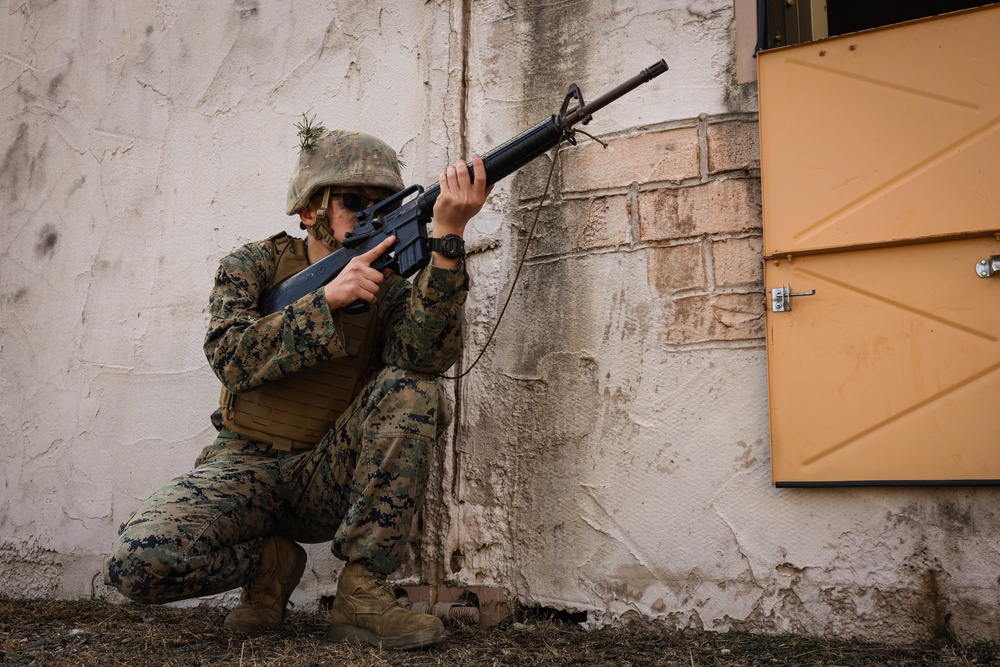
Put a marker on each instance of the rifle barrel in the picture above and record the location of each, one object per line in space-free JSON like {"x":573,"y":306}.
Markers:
{"x":623,"y":88}
{"x":510,"y":156}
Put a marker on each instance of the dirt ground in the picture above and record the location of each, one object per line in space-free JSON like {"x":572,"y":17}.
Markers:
{"x":64,"y":633}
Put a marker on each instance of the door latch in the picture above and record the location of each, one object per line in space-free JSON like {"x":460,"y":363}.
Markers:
{"x":987,"y":267}
{"x":781,"y":298}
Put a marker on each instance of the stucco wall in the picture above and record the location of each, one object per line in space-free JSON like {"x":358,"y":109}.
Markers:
{"x":610,"y":452}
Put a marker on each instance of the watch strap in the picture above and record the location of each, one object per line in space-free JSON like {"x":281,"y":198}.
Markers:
{"x":451,"y":246}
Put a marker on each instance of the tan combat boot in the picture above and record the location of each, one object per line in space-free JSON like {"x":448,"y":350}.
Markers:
{"x":365,"y":610}
{"x":262,"y":603}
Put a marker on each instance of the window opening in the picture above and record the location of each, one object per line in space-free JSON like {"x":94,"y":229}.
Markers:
{"x":786,"y":22}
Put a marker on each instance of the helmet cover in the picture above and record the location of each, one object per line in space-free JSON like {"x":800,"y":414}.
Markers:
{"x":345,"y":158}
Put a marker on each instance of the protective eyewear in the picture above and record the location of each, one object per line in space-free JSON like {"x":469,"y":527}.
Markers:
{"x":355,"y":201}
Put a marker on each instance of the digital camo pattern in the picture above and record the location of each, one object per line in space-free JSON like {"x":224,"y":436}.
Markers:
{"x":360,"y":487}
{"x":419,"y":325}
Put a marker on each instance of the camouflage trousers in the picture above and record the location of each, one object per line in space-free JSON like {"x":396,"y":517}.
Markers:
{"x":360,"y":488}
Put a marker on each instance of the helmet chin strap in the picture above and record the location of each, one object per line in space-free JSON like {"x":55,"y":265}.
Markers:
{"x":321,"y":230}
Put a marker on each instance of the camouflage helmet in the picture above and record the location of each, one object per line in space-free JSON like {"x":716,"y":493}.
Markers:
{"x":340,"y":157}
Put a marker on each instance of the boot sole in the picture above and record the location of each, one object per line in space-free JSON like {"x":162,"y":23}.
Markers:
{"x":293,"y":581}
{"x":418,"y":639}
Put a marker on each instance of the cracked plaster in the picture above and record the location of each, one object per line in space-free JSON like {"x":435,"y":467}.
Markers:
{"x":595,"y":465}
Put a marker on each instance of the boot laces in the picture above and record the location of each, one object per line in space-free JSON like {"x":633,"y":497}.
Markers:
{"x":382,"y":589}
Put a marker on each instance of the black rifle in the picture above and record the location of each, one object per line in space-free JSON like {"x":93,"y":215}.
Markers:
{"x":408,"y":222}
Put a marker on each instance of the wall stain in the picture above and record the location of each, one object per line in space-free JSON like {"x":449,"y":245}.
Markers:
{"x":747,"y":459}
{"x":76,"y":186}
{"x":19,"y":295}
{"x":26,"y":96}
{"x":13,"y":160}
{"x":246,"y":8}
{"x":932,"y":608}
{"x":36,"y":167}
{"x":948,"y":515}
{"x":55,"y":83}
{"x":956,"y":517}
{"x":47,"y":239}
{"x":556,"y":52}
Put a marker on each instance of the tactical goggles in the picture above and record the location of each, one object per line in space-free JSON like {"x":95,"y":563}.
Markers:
{"x":355,"y":201}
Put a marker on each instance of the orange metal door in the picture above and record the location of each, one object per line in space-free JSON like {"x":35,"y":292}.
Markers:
{"x":880,"y":159}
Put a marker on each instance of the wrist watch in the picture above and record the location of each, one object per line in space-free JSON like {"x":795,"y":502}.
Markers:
{"x":451,"y":246}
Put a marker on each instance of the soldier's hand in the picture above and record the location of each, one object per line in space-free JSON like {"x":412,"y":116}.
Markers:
{"x":461,"y":198}
{"x":358,"y":280}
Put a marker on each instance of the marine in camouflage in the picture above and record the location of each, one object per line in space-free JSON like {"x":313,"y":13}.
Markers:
{"x":359,"y":488}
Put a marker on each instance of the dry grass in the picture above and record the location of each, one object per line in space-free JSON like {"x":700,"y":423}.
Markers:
{"x":63,"y":633}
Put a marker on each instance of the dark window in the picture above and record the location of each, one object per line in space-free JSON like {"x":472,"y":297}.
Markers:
{"x":795,"y":21}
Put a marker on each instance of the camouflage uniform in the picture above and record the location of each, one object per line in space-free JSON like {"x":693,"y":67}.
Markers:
{"x":359,"y":487}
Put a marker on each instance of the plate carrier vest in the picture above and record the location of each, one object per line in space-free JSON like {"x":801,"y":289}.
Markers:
{"x":295,"y":412}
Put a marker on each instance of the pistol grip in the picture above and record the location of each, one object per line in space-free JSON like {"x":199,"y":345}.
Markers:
{"x":358,"y":307}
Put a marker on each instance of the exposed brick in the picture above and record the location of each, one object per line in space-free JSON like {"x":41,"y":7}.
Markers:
{"x":658,"y":215}
{"x":528,"y":182}
{"x":714,"y":317}
{"x":729,"y":206}
{"x":672,"y":155}
{"x":676,"y":268}
{"x":607,"y":222}
{"x":580,"y":224}
{"x":738,"y":262}
{"x":733,"y":145}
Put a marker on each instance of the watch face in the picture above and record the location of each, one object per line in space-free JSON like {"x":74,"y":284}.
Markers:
{"x":451,"y":246}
